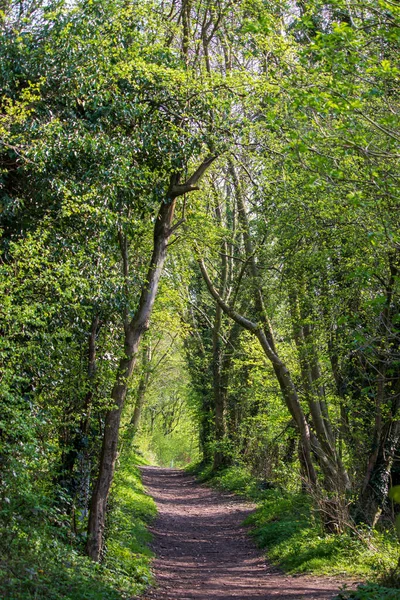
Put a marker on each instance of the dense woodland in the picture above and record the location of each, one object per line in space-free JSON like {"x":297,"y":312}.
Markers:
{"x":200,"y":259}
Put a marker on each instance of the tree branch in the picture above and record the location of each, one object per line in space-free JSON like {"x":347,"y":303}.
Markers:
{"x":180,"y":189}
{"x":240,"y":319}
{"x":254,"y":328}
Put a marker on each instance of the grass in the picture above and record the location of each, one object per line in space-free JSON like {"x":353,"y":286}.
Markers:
{"x":128,"y":553}
{"x":287,"y":527}
{"x":371,"y":591}
{"x":39,"y":560}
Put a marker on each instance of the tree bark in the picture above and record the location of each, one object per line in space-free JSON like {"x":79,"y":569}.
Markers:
{"x":386,"y":435}
{"x":377,"y":482}
{"x":185,"y":15}
{"x":219,"y":391}
{"x":134,"y":331}
{"x":142,"y":387}
{"x":219,"y":400}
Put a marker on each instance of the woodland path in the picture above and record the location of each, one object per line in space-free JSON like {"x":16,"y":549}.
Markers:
{"x":204,"y":553}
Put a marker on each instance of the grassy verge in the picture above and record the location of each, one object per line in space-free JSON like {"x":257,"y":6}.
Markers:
{"x":41,"y":559}
{"x":127,"y":551}
{"x":286,"y":525}
{"x":371,"y":591}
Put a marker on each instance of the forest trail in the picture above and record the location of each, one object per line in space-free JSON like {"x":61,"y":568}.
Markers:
{"x":204,"y":553}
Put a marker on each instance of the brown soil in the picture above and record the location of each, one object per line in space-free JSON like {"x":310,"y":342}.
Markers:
{"x":204,"y":553}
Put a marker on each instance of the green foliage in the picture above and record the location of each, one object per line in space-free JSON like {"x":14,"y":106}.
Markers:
{"x":101,"y":103}
{"x":131,"y":510}
{"x":174,"y":450}
{"x":370,"y":591}
{"x":167,"y":433}
{"x":289,"y":529}
{"x":234,"y":479}
{"x":291,"y":532}
{"x":42,"y":559}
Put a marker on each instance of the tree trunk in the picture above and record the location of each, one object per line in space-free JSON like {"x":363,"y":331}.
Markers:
{"x":134,"y":331}
{"x":376,"y":486}
{"x":386,"y":436}
{"x":185,"y":16}
{"x":142,"y":387}
{"x":206,"y":432}
{"x":374,"y":491}
{"x":220,"y":459}
{"x":219,"y":397}
{"x":133,"y":334}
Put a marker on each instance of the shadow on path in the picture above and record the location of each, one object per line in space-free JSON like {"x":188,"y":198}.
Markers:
{"x":204,"y":553}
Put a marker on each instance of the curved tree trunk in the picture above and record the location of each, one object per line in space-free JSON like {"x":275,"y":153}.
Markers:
{"x":322,"y":444}
{"x":263,"y":331}
{"x":281,"y":371}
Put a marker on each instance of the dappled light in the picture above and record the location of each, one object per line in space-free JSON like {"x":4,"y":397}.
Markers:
{"x":205,"y":553}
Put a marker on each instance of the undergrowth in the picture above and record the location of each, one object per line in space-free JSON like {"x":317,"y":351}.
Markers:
{"x":40,"y":558}
{"x":371,"y":591}
{"x":286,"y":525}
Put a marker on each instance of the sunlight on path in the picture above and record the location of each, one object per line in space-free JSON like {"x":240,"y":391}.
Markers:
{"x":203,"y":552}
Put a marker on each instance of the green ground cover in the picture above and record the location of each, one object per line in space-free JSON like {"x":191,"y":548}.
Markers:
{"x":40,"y":558}
{"x":289,"y":529}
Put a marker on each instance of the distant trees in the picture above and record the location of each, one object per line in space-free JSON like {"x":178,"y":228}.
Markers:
{"x":316,"y":257}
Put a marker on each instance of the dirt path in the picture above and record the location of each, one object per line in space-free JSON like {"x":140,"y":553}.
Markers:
{"x":203,"y":552}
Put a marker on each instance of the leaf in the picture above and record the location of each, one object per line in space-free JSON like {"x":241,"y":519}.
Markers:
{"x":394,"y":494}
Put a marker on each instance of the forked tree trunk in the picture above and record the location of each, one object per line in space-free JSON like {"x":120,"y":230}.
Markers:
{"x":134,"y":330}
